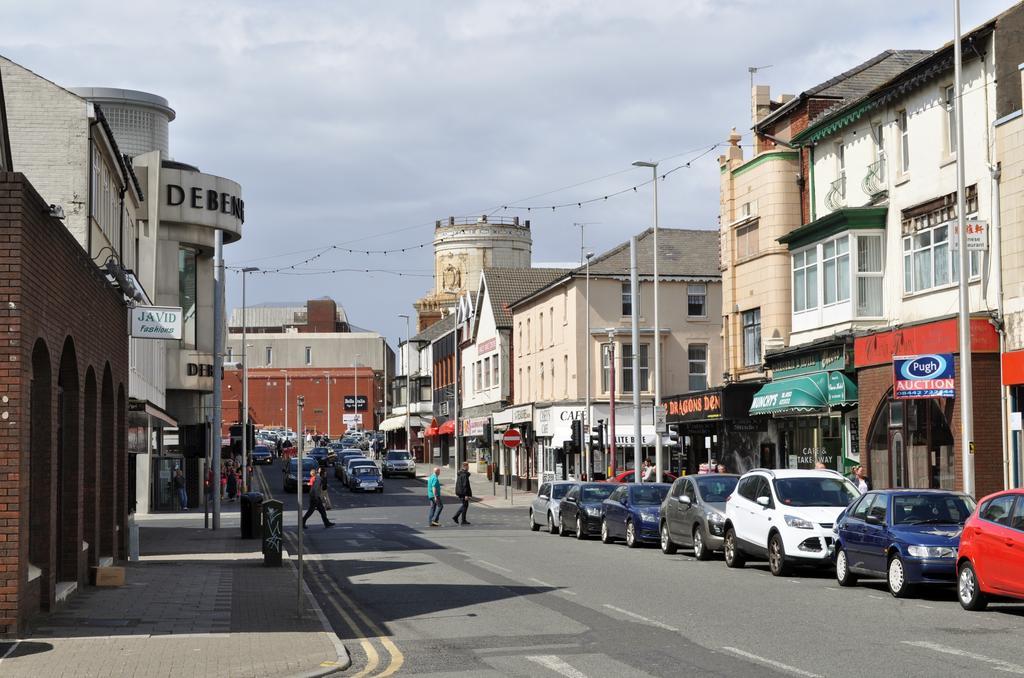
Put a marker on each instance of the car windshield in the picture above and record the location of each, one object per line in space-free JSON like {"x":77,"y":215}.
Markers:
{"x":648,"y":495}
{"x":715,"y":489}
{"x":815,"y":491}
{"x":936,"y":509}
{"x":596,"y":493}
{"x":317,"y":451}
{"x":365,"y":470}
{"x":307,"y":465}
{"x":398,"y":456}
{"x":261,"y":449}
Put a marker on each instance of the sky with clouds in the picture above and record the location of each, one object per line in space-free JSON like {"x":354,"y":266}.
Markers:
{"x":361,"y":122}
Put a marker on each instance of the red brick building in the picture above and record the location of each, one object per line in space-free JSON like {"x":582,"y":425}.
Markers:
{"x":63,"y":397}
{"x":268,"y":395}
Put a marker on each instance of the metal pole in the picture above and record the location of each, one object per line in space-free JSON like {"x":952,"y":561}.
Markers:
{"x":611,"y":400}
{"x":586,"y":410}
{"x":285,"y":403}
{"x":634,"y":290}
{"x":218,"y":363}
{"x":659,"y":461}
{"x":966,"y":373}
{"x":408,"y":387}
{"x":301,"y":478}
{"x":355,"y":380}
{"x":245,"y":396}
{"x":455,"y":417}
{"x":384,"y":404}
{"x":327,"y":375}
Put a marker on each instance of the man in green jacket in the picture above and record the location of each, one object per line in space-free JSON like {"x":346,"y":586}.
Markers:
{"x":434,"y":495}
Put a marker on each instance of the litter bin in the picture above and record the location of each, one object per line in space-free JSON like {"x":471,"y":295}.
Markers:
{"x":273,"y":521}
{"x":251,"y":517}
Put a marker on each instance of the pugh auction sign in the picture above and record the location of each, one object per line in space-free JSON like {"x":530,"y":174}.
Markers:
{"x":924,"y":376}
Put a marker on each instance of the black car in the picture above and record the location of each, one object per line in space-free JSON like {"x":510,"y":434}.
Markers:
{"x":320,"y":454}
{"x":261,"y":454}
{"x":580,"y":509}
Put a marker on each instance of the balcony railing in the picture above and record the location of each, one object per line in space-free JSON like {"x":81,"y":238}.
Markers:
{"x":836,"y":197}
{"x":874,"y":180}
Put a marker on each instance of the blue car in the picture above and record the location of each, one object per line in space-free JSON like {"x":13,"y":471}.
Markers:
{"x":907,"y":537}
{"x":633,"y":512}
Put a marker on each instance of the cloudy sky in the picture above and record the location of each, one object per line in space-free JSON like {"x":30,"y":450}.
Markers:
{"x":360,"y":122}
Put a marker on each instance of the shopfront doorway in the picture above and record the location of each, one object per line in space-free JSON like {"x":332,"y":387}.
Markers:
{"x":810,"y":440}
{"x":164,"y":496}
{"x":911,"y":445}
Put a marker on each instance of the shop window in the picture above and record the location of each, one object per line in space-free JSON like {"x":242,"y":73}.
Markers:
{"x":910,"y":445}
{"x":698,"y":366}
{"x":805,"y":280}
{"x":627,"y":368}
{"x":697,"y":300}
{"x":752,"y":337}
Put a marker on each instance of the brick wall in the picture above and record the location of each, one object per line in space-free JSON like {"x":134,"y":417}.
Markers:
{"x":50,"y":291}
{"x":874,"y":383}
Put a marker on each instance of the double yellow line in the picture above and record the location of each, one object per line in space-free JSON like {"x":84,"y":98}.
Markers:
{"x":366,"y":639}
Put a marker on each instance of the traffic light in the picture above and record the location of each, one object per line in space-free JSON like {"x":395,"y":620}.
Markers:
{"x":597,"y":435}
{"x":577,"y":434}
{"x":673,"y":436}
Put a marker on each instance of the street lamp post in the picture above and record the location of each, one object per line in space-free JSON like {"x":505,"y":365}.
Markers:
{"x":355,"y":381}
{"x":245,"y":386}
{"x":658,"y":461}
{"x":408,"y":388}
{"x":586,"y":411}
{"x":327,"y":375}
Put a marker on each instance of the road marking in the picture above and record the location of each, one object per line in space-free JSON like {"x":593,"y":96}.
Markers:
{"x":771,"y":662}
{"x":496,"y":567}
{"x":525,"y":648}
{"x":927,"y":607}
{"x":9,"y":651}
{"x":997,"y":664}
{"x":543,"y":583}
{"x":877,"y":597}
{"x":550,"y":661}
{"x":634,"y":615}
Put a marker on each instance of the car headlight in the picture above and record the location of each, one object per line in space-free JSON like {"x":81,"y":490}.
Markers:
{"x":594,"y":511}
{"x":932,"y":551}
{"x":714,"y":517}
{"x":799,"y":523}
{"x":649,"y":517}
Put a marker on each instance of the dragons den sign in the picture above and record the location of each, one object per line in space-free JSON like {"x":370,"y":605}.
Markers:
{"x":696,"y":407}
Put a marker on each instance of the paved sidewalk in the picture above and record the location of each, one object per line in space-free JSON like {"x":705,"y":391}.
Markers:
{"x":198,"y":603}
{"x":484,"y":493}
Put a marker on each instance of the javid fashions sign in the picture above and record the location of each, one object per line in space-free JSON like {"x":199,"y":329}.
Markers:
{"x":924,"y":376}
{"x":156,"y":322}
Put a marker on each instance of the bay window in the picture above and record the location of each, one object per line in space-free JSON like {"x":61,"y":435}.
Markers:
{"x":827,"y":265}
{"x":805,"y":280}
{"x":869,"y":275}
{"x":835,"y":269}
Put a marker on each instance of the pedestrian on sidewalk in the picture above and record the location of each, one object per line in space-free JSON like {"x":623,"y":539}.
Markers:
{"x":316,"y":497}
{"x":232,"y":483}
{"x":179,"y":489}
{"x":463,"y":491}
{"x":434,"y":495}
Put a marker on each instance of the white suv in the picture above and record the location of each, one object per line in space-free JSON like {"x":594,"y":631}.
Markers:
{"x":785,"y":516}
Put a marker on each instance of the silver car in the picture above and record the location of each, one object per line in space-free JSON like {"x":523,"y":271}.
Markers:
{"x":398,"y":463}
{"x":693,"y":513}
{"x":545,"y":505}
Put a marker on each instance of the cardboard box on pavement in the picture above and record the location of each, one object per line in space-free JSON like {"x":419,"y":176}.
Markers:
{"x":109,"y":576}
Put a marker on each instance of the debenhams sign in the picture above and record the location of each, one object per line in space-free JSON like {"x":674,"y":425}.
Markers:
{"x":156,"y":322}
{"x":205,"y":199}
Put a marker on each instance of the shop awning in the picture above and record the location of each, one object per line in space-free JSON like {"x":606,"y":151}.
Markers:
{"x":430,"y":431}
{"x":806,"y":393}
{"x":398,"y":423}
{"x":447,"y":428}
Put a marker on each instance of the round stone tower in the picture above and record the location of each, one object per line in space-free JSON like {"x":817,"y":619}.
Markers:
{"x":463,"y":246}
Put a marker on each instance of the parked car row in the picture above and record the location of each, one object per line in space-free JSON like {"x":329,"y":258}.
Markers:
{"x":910,"y":538}
{"x":356,"y":472}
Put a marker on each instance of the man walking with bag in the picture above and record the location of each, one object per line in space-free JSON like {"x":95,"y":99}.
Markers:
{"x":464,"y":492}
{"x":316,"y":498}
{"x":434,"y":495}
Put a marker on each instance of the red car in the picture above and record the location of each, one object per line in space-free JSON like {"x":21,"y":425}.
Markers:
{"x":990,"y":562}
{"x":629,"y":477}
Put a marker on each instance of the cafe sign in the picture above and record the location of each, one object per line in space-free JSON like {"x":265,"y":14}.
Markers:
{"x":156,"y":322}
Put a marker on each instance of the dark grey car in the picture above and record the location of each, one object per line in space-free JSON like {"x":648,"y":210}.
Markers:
{"x":693,"y":513}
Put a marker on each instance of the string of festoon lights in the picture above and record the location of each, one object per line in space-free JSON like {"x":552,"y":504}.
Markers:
{"x":297,"y":267}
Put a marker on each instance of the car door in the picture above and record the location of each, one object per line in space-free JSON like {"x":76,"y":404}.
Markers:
{"x":761,"y":517}
{"x":741,"y":505}
{"x":615,"y":512}
{"x":852,"y":530}
{"x":875,"y":538}
{"x":1015,"y":553}
{"x":540,"y":503}
{"x":570,"y":507}
{"x":992,"y":551}
{"x":673,"y":509}
{"x":689,"y":512}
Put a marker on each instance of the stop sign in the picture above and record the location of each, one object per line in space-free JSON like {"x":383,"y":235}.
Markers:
{"x":512,"y":438}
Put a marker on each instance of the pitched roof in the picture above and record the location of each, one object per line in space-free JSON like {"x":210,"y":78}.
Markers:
{"x":507,"y":285}
{"x":682,"y":252}
{"x":856,"y":82}
{"x":437,"y":330}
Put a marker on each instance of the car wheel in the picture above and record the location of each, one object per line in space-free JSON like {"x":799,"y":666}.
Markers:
{"x":843,"y":574}
{"x":606,"y":538}
{"x":777,"y":556}
{"x":631,"y":540}
{"x":552,"y":527}
{"x":580,"y":534}
{"x":667,"y":547}
{"x":562,"y":530}
{"x":533,"y":525}
{"x":896,"y":578}
{"x":733,"y":557}
{"x":968,"y":590}
{"x":700,"y":550}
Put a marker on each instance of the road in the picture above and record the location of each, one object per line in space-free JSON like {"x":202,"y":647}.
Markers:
{"x":495,"y":599}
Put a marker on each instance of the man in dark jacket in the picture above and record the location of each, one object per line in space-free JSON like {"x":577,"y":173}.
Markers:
{"x":463,"y":491}
{"x":317,"y":481}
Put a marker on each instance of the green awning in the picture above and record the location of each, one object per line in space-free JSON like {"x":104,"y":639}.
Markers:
{"x":806,"y":393}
